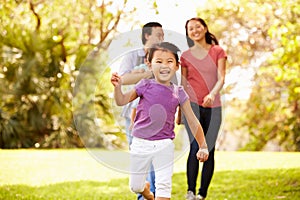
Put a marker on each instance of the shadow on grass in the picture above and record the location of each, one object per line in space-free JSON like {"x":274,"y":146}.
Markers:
{"x":237,"y":185}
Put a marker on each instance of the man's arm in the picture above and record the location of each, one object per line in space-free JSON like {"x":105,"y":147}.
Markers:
{"x":127,"y":65}
{"x":132,"y":78}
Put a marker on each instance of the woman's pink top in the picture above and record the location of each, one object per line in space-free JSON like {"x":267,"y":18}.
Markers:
{"x":202,"y":74}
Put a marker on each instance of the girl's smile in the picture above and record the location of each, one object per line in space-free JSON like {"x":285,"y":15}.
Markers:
{"x":163,"y":66}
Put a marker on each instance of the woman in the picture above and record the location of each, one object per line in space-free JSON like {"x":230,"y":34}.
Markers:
{"x":203,"y":73}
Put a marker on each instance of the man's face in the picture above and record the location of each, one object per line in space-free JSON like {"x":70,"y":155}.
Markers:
{"x":157,"y":36}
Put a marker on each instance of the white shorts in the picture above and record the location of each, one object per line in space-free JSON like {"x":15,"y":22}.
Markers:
{"x":158,"y":152}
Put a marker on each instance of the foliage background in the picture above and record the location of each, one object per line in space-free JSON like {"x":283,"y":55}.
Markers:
{"x":53,"y":53}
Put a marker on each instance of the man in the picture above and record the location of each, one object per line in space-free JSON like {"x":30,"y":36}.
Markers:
{"x":152,"y":33}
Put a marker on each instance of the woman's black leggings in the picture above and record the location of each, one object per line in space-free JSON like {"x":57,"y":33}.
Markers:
{"x":210,"y":119}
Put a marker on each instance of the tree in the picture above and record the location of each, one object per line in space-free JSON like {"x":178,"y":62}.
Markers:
{"x":43,"y":45}
{"x":277,"y":113}
{"x":252,"y":32}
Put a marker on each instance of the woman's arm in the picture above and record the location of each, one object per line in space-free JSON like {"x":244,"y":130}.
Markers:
{"x":184,"y":74}
{"x":209,"y":99}
{"x":120,"y":97}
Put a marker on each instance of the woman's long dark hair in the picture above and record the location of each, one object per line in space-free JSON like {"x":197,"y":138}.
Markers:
{"x":209,"y":37}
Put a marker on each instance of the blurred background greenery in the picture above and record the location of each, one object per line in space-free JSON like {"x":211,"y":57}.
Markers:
{"x":54,"y":52}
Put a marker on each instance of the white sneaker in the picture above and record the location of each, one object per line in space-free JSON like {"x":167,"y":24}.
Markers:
{"x":190,"y":196}
{"x":199,"y":197}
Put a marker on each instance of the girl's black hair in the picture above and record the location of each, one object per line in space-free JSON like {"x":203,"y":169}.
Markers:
{"x":209,"y":37}
{"x":164,"y":46}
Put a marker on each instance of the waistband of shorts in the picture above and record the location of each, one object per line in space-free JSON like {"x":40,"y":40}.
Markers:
{"x":152,"y":141}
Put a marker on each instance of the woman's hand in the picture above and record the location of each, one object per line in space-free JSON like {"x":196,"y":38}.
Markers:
{"x":208,"y":100}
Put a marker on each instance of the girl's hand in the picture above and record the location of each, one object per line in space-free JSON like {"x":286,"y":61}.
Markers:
{"x":202,"y":154}
{"x":208,"y":100}
{"x":115,"y":79}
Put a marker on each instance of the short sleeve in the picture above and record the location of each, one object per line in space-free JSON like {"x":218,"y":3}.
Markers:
{"x":130,"y":60}
{"x":183,"y":61}
{"x":221,"y":53}
{"x":182,"y":95}
{"x":141,"y":86}
{"x":127,"y":64}
{"x":135,"y":103}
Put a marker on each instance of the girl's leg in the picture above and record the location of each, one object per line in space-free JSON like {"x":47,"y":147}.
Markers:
{"x":139,"y":171}
{"x":163,"y":159}
{"x":140,"y":160}
{"x":147,"y":193}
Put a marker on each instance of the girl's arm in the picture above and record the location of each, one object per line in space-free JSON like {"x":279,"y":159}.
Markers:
{"x":196,"y":129}
{"x":120,"y":97}
{"x":209,"y":99}
{"x":184,"y":84}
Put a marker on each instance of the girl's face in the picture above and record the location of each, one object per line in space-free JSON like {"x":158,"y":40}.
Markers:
{"x":163,"y":66}
{"x":196,"y":31}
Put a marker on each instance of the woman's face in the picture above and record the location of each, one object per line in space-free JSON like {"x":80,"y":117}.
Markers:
{"x":196,"y":31}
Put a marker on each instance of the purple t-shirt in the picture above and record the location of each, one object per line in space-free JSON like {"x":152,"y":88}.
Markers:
{"x":156,"y":110}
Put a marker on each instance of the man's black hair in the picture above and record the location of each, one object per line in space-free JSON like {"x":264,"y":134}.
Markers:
{"x":147,"y":29}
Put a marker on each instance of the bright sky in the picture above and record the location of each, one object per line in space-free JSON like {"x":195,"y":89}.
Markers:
{"x":171,"y":14}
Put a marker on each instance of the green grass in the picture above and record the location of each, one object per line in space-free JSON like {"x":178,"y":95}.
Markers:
{"x":75,"y":174}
